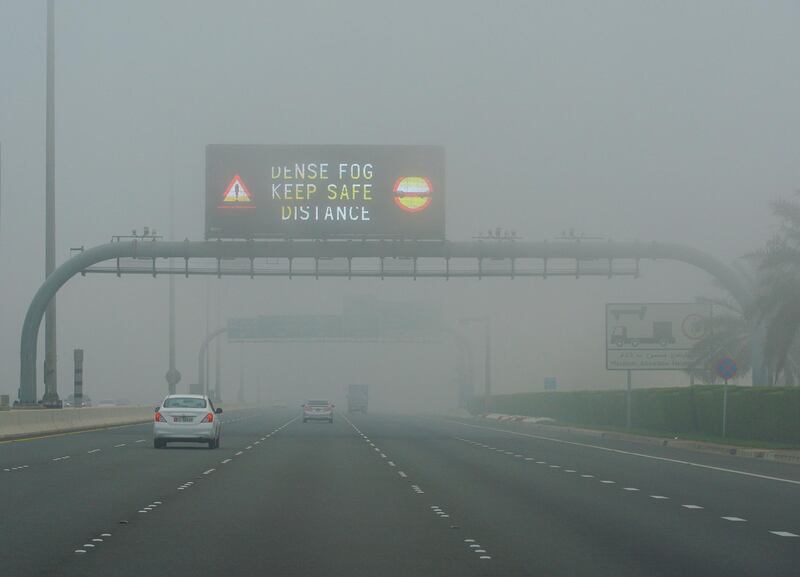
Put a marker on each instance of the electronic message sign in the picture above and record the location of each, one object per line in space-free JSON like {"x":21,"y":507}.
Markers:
{"x":324,"y":191}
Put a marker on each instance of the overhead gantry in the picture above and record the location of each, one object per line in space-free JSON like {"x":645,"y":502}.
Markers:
{"x":362,"y":258}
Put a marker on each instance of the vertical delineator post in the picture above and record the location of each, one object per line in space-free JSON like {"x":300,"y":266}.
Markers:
{"x":78,"y":392}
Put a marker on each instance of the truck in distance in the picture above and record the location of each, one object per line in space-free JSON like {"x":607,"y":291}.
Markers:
{"x":357,"y":398}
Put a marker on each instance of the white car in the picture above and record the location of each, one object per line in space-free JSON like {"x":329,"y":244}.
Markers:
{"x":318,"y":411}
{"x":187,"y":419}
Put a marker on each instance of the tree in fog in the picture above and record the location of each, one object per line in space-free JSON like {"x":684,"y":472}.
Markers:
{"x":779,"y":294}
{"x":729,"y":332}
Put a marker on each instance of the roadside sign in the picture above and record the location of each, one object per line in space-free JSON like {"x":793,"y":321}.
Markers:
{"x":726,"y":368}
{"x":653,"y":336}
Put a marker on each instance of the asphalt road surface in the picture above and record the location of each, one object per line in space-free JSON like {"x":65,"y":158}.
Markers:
{"x":373,"y":495}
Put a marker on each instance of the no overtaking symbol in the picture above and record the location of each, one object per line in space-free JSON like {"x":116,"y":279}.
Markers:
{"x":726,"y":368}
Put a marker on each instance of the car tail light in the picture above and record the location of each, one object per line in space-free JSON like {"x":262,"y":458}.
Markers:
{"x":209,"y":418}
{"x":160,"y":417}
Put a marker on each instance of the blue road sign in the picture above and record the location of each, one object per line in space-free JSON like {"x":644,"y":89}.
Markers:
{"x":726,"y":368}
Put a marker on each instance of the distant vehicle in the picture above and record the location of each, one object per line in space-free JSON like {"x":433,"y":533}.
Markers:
{"x":357,"y":398}
{"x":318,"y":411}
{"x":662,"y":335}
{"x":187,"y":419}
{"x":70,"y":401}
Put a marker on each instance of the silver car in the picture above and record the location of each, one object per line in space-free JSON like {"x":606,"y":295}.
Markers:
{"x":318,"y":411}
{"x":187,"y":419}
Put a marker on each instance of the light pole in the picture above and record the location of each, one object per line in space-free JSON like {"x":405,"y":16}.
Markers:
{"x":50,"y":359}
{"x":487,"y":362}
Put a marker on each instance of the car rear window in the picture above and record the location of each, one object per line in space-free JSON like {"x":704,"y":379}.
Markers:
{"x":184,"y":403}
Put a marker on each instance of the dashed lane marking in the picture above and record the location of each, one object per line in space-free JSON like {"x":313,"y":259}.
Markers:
{"x":94,"y":451}
{"x":632,"y":453}
{"x":209,"y":471}
{"x":784,"y":534}
{"x":402,"y":474}
{"x":734,"y":519}
{"x":120,"y":445}
{"x":691,"y":506}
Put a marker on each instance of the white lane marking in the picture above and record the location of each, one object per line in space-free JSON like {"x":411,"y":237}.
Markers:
{"x":391,"y":464}
{"x":105,"y":534}
{"x":377,"y":449}
{"x":541,"y":462}
{"x":529,"y":458}
{"x":692,"y":506}
{"x":784,"y":534}
{"x":226,"y":461}
{"x":634,"y":454}
{"x":569,"y":470}
{"x":209,"y":471}
{"x":588,"y":476}
{"x":402,"y":474}
{"x":469,"y":540}
{"x":61,"y":458}
{"x":480,"y":550}
{"x":658,"y":497}
{"x":239,"y":453}
{"x":630,"y":489}
{"x":97,"y":540}
{"x":80,"y":551}
{"x":475,"y":546}
{"x":555,"y":466}
{"x":608,"y":482}
{"x":484,"y":557}
{"x":257,"y":443}
{"x":383,"y":455}
{"x":94,"y":451}
{"x":140,"y":441}
{"x":248,"y":447}
{"x":120,"y":445}
{"x":88,"y":545}
{"x":734,"y":519}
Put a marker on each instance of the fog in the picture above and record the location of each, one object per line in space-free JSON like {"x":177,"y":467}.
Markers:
{"x":669,"y":122}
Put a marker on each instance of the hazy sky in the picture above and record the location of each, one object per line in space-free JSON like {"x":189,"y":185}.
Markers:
{"x":672,"y":121}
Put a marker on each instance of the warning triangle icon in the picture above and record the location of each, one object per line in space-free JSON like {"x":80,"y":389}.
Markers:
{"x":237,"y":193}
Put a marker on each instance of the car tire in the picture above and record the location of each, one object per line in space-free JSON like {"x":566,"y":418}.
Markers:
{"x":216,"y":443}
{"x":158,"y":444}
{"x":211,"y":443}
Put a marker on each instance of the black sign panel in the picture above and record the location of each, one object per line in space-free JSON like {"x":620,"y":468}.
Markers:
{"x":324,"y":191}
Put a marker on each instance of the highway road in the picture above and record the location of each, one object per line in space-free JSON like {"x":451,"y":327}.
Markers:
{"x":373,"y":495}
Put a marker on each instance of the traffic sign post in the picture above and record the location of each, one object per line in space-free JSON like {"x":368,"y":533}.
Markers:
{"x":726,"y":369}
